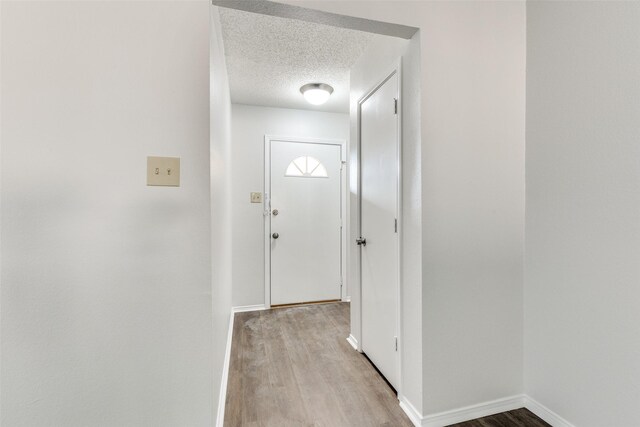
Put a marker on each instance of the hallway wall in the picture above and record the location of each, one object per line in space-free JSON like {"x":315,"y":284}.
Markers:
{"x":250,"y":124}
{"x":221,"y":213}
{"x":106,"y":294}
{"x":582,"y":319}
{"x":474,"y":63}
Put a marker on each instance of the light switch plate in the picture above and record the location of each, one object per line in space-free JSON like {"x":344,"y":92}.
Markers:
{"x":256,"y":197}
{"x":163,"y":171}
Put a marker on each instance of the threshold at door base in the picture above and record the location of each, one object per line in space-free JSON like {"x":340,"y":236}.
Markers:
{"x":328,"y":301}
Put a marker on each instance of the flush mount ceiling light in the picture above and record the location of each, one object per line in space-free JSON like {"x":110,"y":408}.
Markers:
{"x":316,"y":93}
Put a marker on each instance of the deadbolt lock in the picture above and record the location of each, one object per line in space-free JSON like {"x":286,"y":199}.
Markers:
{"x":275,"y":212}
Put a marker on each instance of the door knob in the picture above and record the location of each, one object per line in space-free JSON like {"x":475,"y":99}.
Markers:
{"x":275,"y":235}
{"x":361,"y":242}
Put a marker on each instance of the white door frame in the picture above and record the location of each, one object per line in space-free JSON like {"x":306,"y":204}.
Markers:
{"x":267,"y":209}
{"x":396,"y":70}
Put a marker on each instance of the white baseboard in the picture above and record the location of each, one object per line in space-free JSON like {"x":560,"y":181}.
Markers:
{"x":480,"y":410}
{"x":243,"y":308}
{"x":545,"y":413}
{"x":353,"y":341}
{"x":466,"y":413}
{"x":473,"y":411}
{"x":414,"y":415}
{"x":225,"y":374}
{"x":346,"y":299}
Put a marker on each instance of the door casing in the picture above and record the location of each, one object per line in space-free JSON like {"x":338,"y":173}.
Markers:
{"x":396,"y":70}
{"x":267,"y":209}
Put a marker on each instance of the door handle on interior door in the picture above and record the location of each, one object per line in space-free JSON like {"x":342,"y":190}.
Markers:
{"x":275,"y":235}
{"x":361,"y":242}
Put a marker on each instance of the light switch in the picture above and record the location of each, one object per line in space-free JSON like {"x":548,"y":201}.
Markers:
{"x":256,"y":197}
{"x":163,"y":171}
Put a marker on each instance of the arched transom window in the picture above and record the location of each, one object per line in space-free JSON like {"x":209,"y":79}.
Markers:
{"x":306,"y":167}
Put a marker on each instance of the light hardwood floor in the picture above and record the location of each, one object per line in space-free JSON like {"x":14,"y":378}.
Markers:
{"x":293,"y":367}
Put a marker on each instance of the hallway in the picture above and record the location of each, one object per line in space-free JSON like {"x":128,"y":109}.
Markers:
{"x":294,"y":367}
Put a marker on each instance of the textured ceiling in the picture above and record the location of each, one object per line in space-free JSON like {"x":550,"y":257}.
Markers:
{"x":270,"y":58}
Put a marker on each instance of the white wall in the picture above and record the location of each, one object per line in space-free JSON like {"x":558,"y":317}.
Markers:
{"x":473,"y":201}
{"x":582,"y":352}
{"x":472,"y":170}
{"x":250,"y":124}
{"x":221,"y":214}
{"x":106,"y":283}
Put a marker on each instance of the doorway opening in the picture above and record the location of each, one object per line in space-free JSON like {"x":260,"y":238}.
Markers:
{"x":326,"y":218}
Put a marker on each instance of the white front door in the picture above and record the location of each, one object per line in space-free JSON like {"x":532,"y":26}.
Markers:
{"x":305,"y":229}
{"x":378,"y":204}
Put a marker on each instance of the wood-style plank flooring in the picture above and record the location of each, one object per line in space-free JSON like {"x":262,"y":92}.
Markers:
{"x":518,"y":418}
{"x":293,"y":367}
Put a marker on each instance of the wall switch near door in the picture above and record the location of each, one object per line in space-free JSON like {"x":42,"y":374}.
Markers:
{"x":256,"y":197}
{"x":163,"y":171}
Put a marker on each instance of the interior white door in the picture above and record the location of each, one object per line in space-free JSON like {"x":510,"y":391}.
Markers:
{"x":305,"y":222}
{"x":378,"y":204}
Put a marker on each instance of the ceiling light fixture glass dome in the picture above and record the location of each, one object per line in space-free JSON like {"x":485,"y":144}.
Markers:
{"x":316,"y":93}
